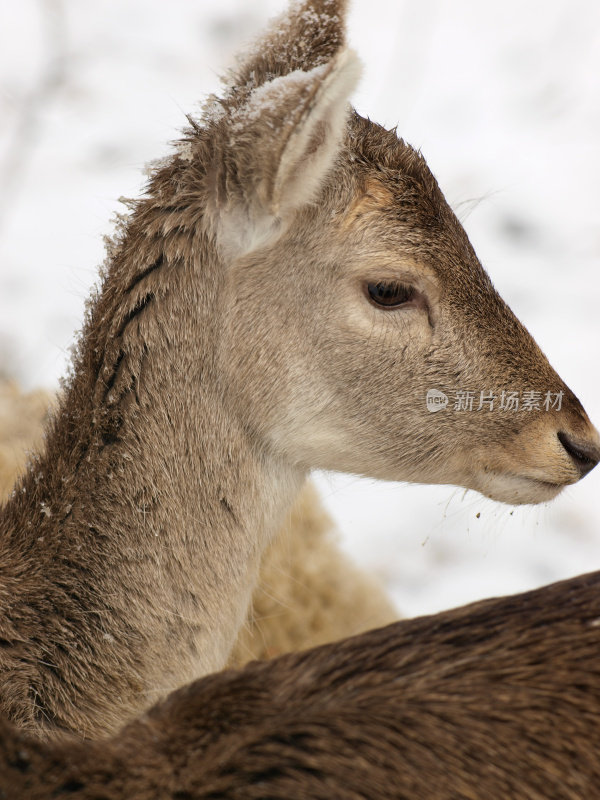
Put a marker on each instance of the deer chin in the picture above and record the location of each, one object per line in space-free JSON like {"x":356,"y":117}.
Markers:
{"x":517,"y":489}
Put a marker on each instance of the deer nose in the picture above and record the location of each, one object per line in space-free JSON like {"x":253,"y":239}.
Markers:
{"x":585,"y":454}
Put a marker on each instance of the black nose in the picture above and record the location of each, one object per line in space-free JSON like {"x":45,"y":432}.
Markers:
{"x":584,"y":454}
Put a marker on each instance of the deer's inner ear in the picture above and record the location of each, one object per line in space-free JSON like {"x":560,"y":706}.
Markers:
{"x":280,"y":147}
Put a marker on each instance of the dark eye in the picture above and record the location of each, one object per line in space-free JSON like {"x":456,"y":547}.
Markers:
{"x":390,"y":294}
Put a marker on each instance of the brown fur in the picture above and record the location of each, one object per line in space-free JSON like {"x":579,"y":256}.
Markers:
{"x":231,"y":348}
{"x":22,"y":417}
{"x":308,"y":592}
{"x":495,"y":700}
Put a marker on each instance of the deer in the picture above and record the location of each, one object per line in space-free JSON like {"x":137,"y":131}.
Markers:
{"x":309,"y":592}
{"x":498,"y":699}
{"x":283,"y":297}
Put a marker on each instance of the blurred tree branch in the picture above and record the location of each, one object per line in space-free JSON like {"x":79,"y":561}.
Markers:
{"x":29,"y":127}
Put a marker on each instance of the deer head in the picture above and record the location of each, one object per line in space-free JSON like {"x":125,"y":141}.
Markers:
{"x":287,"y":295}
{"x":350,"y":291}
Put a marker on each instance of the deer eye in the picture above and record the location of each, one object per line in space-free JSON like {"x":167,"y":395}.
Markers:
{"x":390,"y":294}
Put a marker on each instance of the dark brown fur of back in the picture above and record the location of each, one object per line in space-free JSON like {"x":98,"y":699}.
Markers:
{"x":496,"y":700}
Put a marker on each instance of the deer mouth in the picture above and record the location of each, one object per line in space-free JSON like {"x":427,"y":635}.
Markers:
{"x":517,"y":489}
{"x":549,"y":485}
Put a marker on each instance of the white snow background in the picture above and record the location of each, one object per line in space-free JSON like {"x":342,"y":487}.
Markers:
{"x":504,"y":100}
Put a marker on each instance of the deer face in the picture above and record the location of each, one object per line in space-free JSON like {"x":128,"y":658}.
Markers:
{"x":361,"y":333}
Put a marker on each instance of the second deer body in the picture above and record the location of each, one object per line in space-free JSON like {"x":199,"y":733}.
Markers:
{"x":497,"y":700}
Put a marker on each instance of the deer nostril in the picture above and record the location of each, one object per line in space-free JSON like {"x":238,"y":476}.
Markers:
{"x":584,"y":454}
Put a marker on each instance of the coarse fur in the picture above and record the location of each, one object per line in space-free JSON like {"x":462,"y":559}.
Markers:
{"x":496,"y":700}
{"x":232,"y":347}
{"x":308,"y":591}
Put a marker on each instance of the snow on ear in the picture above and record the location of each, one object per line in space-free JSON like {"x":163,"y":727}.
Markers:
{"x":307,"y":34}
{"x":276,"y":150}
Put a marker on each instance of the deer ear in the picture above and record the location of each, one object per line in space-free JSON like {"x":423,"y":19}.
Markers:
{"x":274,"y":151}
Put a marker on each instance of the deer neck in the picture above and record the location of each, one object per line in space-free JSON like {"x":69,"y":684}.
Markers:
{"x":143,"y":523}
